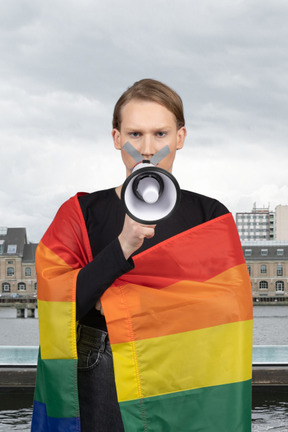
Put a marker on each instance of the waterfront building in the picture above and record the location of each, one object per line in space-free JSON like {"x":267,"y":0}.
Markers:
{"x":259,"y":224}
{"x":281,"y":219}
{"x":17,"y":263}
{"x":267,"y":263}
{"x":263,"y":224}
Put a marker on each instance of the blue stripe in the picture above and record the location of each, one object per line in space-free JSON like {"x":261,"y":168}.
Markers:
{"x":42,"y":423}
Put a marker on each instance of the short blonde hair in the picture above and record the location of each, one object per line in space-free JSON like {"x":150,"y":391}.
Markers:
{"x":150,"y":90}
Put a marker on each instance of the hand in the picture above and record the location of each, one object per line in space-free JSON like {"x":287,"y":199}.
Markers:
{"x":98,"y":306}
{"x":133,"y":235}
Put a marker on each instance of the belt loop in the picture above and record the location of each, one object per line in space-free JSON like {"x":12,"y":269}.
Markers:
{"x":103,"y":342}
{"x":78,"y":332}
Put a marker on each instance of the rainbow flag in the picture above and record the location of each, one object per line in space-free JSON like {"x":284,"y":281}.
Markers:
{"x":60,"y":255}
{"x":180,"y":325}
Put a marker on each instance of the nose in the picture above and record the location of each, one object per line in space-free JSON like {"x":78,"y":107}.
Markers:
{"x":147,"y":148}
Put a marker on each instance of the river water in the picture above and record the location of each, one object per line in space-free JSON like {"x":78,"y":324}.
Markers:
{"x":269,"y":408}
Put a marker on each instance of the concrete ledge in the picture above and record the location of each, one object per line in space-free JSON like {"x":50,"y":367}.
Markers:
{"x":25,"y":377}
{"x":17,"y":377}
{"x":270,"y":375}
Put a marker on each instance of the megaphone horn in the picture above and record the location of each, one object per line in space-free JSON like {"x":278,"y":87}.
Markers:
{"x":150,"y":193}
{"x":148,"y":187}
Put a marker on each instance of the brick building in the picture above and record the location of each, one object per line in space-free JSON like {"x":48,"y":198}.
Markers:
{"x":267,"y":263}
{"x":17,"y":263}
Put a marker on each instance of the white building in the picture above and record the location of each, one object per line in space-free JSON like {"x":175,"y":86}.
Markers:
{"x":259,"y":224}
{"x":281,"y":218}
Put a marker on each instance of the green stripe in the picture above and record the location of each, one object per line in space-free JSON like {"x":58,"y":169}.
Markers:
{"x":56,"y":386}
{"x":224,"y":408}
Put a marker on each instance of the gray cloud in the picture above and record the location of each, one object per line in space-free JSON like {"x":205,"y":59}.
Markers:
{"x":64,"y":64}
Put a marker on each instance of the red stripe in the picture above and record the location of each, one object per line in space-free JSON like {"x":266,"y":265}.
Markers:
{"x":197,"y":254}
{"x":67,"y":236}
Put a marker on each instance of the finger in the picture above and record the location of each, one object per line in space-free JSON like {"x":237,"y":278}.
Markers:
{"x":148,"y":226}
{"x":149,"y":232}
{"x":98,"y":305}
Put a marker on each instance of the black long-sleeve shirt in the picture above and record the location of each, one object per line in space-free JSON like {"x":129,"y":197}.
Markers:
{"x":104,"y":217}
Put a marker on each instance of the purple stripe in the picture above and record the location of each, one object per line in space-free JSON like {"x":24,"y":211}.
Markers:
{"x":42,"y":423}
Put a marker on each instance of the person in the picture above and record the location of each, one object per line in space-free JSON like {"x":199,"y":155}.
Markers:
{"x":143,"y":327}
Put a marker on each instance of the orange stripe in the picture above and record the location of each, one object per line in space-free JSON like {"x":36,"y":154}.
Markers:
{"x":56,"y":279}
{"x":181,"y":307}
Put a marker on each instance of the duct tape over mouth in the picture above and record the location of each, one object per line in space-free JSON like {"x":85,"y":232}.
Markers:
{"x":136,"y":155}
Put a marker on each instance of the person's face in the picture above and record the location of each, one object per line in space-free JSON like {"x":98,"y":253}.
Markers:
{"x":149,"y":127}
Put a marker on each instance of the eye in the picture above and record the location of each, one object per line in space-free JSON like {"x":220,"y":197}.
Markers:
{"x":134,"y":134}
{"x":161,"y":134}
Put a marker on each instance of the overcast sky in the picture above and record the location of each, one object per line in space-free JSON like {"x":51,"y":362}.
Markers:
{"x":63,"y":65}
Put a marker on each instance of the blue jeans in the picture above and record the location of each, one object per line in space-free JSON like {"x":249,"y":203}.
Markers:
{"x":99,"y":408}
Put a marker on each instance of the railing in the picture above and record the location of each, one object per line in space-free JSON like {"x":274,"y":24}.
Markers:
{"x":27,"y":355}
{"x":13,"y":300}
{"x":18,"y":366}
{"x":21,"y":304}
{"x":270,"y":366}
{"x":18,"y":356}
{"x":270,"y":355}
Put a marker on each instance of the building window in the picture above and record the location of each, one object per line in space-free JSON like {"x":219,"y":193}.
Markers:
{"x":6,"y":287}
{"x":263,"y":269}
{"x":2,"y":246}
{"x":263,"y":285}
{"x":279,"y":286}
{"x":11,"y":249}
{"x":248,"y":252}
{"x":279,"y":270}
{"x":280,"y":252}
{"x":264,"y":252}
{"x":35,"y":286}
{"x":21,"y":286}
{"x":27,"y":271}
{"x":10,"y":271}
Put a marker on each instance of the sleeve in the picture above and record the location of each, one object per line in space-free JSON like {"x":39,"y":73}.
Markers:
{"x":69,"y":280}
{"x":98,"y":275}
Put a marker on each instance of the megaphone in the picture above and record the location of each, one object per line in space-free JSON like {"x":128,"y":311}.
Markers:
{"x":150,"y":193}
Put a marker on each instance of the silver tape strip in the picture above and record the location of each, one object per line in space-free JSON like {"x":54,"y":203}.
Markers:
{"x":161,"y":154}
{"x":136,"y":155}
{"x":133,"y":152}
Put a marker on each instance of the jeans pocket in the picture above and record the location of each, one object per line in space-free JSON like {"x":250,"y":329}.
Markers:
{"x":89,"y":359}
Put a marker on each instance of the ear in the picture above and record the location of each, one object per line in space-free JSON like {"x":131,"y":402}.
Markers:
{"x":116,"y":139}
{"x":181,"y":135}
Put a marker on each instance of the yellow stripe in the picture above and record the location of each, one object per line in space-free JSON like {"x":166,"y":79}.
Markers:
{"x":57,"y":329}
{"x":127,"y":368}
{"x":200,"y":358}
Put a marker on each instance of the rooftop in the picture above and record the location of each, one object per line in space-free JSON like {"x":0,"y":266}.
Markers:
{"x":264,"y":243}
